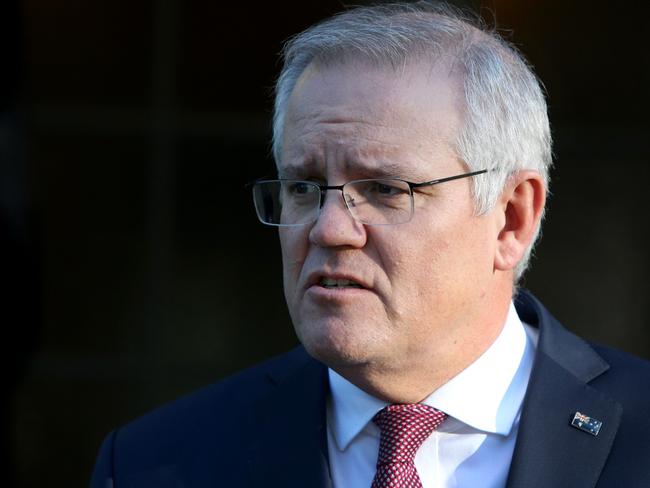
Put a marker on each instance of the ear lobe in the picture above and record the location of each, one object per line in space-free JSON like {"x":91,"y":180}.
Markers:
{"x":522,"y":203}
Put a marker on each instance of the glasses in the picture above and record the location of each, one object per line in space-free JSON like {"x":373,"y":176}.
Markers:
{"x":377,"y":201}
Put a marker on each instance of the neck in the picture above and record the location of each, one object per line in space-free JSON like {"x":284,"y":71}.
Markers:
{"x":430,"y":367}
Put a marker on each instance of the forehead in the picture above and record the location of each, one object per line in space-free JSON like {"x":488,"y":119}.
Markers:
{"x":359,"y":114}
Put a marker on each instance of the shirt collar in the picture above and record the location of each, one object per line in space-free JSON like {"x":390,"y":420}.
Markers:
{"x":487,"y":395}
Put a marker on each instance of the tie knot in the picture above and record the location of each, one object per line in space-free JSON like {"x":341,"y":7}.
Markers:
{"x":403,"y":430}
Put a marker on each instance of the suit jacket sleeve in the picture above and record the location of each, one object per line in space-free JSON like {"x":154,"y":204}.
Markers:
{"x":103,"y":474}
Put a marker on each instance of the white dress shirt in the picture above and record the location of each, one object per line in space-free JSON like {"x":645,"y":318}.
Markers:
{"x":474,"y":445}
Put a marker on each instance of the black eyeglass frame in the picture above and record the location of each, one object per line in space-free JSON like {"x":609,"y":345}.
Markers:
{"x":323,"y":188}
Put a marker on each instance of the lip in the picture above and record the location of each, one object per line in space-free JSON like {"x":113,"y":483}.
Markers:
{"x":315,"y":291}
{"x":314,"y":278}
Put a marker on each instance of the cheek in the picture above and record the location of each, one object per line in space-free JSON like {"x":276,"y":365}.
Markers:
{"x":464,"y":258}
{"x":294,"y":243}
{"x":413,"y":269}
{"x":423,"y":267}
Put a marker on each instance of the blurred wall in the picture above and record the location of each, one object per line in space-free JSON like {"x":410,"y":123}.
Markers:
{"x":149,"y":275}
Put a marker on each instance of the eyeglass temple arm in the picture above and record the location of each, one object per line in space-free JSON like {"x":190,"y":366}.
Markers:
{"x":449,"y":178}
{"x":410,"y":183}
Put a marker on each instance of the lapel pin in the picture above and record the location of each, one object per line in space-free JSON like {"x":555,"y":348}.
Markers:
{"x":586,"y":424}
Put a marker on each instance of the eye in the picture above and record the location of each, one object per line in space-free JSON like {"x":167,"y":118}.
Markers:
{"x":298,"y":188}
{"x":385,"y":189}
{"x":380,"y":191}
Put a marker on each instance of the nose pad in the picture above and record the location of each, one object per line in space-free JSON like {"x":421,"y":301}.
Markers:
{"x":336,"y":201}
{"x":336,"y":226}
{"x":349,"y":201}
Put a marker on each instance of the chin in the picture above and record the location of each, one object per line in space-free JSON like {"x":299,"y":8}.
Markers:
{"x":333,"y":344}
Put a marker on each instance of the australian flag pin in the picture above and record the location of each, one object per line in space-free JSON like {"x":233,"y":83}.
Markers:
{"x":586,"y":424}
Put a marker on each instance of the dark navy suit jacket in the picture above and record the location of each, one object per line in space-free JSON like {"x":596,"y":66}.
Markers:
{"x":266,"y":426}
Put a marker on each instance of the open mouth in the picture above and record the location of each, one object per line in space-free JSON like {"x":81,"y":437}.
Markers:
{"x":335,"y":283}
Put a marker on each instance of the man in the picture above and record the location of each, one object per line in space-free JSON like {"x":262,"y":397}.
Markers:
{"x":413,"y":151}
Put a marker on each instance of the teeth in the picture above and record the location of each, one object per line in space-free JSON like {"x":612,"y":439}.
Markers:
{"x":331,"y":283}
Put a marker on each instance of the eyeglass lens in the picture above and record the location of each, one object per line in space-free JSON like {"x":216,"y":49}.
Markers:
{"x":373,"y":201}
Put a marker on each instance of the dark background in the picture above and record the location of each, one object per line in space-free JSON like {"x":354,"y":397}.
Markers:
{"x":133,"y":265}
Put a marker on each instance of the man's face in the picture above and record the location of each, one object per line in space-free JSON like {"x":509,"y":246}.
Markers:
{"x":404,"y":291}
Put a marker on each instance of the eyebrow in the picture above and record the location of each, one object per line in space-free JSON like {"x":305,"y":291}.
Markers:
{"x":381,"y":170}
{"x":293,"y":171}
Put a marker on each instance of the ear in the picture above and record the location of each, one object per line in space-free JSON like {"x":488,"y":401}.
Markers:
{"x":521,"y":206}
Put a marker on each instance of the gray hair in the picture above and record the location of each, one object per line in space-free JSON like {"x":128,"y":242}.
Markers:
{"x":506,"y":126}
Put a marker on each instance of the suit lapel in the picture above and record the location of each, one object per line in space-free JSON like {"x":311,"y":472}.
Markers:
{"x":549,"y":451}
{"x":290,"y":449}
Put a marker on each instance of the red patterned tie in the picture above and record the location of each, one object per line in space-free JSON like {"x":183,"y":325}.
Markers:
{"x":403,"y":430}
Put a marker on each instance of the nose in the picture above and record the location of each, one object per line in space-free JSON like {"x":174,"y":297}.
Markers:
{"x":335,"y":226}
